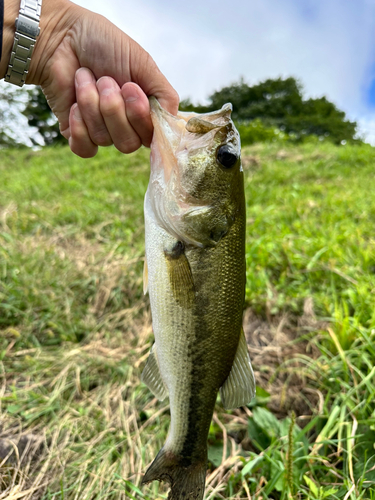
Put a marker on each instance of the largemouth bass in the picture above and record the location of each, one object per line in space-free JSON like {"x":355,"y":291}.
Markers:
{"x":195,"y":275}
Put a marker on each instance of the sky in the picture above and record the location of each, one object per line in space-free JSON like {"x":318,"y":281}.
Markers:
{"x":203,"y":45}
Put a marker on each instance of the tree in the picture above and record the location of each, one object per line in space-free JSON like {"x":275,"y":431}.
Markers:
{"x":11,"y":105}
{"x":187,"y":105}
{"x":280,"y":103}
{"x":39,"y":115}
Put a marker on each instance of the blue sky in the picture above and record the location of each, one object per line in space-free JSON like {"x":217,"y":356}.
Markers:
{"x":202,"y":45}
{"x":371,"y":95}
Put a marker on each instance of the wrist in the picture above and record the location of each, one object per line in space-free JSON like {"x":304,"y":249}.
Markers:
{"x":53,"y":27}
{"x":55,"y":22}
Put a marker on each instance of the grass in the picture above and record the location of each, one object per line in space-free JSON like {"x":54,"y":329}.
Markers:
{"x":75,"y":330}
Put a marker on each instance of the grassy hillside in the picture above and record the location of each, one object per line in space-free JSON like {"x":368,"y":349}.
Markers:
{"x":75,"y":329}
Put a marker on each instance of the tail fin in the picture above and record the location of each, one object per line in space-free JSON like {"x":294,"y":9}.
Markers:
{"x":187,"y":482}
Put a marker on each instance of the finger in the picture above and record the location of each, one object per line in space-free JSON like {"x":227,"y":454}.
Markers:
{"x":138,"y":111}
{"x":112,"y":108}
{"x":88,"y":102}
{"x":79,"y":140}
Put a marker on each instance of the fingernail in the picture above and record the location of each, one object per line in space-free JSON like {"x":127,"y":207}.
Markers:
{"x":132,"y":94}
{"x":84,"y":77}
{"x":105,"y":85}
{"x":76,"y":112}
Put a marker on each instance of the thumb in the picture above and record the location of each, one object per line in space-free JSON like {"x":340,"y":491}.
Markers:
{"x":151,"y":80}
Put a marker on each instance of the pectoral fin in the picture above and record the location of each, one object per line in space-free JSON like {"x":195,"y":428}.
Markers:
{"x":180,"y":277}
{"x":239,"y":387}
{"x":151,"y":376}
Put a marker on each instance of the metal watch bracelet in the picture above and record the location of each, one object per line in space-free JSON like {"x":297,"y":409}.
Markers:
{"x":27,"y":30}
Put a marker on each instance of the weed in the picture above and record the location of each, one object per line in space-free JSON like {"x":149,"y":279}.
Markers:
{"x":75,"y":330}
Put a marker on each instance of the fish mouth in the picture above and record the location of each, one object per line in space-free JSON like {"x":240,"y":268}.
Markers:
{"x":166,"y":125}
{"x":168,"y":130}
{"x":193,"y":122}
{"x":171,"y":133}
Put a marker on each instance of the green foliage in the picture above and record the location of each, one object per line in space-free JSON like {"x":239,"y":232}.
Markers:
{"x":290,"y":458}
{"x":74,"y":326}
{"x":187,"y":105}
{"x":271,"y":99}
{"x":40,"y":116}
{"x":283,"y":448}
{"x":256,"y":131}
{"x":279,"y":103}
{"x":310,"y":215}
{"x":298,"y":460}
{"x":44,"y":194}
{"x":310,"y":232}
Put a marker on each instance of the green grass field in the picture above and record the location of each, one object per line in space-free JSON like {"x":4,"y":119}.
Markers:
{"x":75,"y":329}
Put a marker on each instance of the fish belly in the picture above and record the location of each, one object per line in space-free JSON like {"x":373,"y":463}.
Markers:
{"x":195,"y":345}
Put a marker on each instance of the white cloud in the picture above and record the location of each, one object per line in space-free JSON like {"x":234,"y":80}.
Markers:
{"x":202,"y":45}
{"x":366,"y":128}
{"x":190,"y":58}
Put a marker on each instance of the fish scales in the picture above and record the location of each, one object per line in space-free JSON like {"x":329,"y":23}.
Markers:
{"x":195,"y":254}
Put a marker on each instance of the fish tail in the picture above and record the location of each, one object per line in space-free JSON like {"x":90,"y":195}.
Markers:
{"x":187,"y":482}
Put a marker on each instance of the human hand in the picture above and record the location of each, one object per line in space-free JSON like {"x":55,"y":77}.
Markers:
{"x":96,"y":78}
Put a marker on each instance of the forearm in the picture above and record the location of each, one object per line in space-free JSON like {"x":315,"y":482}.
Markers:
{"x":11,"y":8}
{"x":54,"y":24}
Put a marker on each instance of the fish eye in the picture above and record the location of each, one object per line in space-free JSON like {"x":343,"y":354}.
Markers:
{"x":226,"y":157}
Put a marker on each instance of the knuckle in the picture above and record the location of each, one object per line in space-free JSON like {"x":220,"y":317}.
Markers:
{"x":109,"y":107}
{"x":110,"y":104}
{"x":142,"y":115}
{"x":175,"y":98}
{"x":101,"y":138}
{"x":82,"y":151}
{"x":87,"y":97}
{"x":128,"y":146}
{"x":81,"y":145}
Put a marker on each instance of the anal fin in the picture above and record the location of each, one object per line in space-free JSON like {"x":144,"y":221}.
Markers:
{"x":151,"y":376}
{"x":239,"y":387}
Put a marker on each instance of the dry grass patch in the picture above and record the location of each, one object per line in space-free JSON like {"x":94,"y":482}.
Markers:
{"x":90,"y":415}
{"x":91,"y":428}
{"x":279,"y":351}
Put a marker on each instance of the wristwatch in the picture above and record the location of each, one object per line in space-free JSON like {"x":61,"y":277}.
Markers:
{"x":27,"y":30}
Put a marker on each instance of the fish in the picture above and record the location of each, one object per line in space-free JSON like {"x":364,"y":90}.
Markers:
{"x":195,"y":274}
